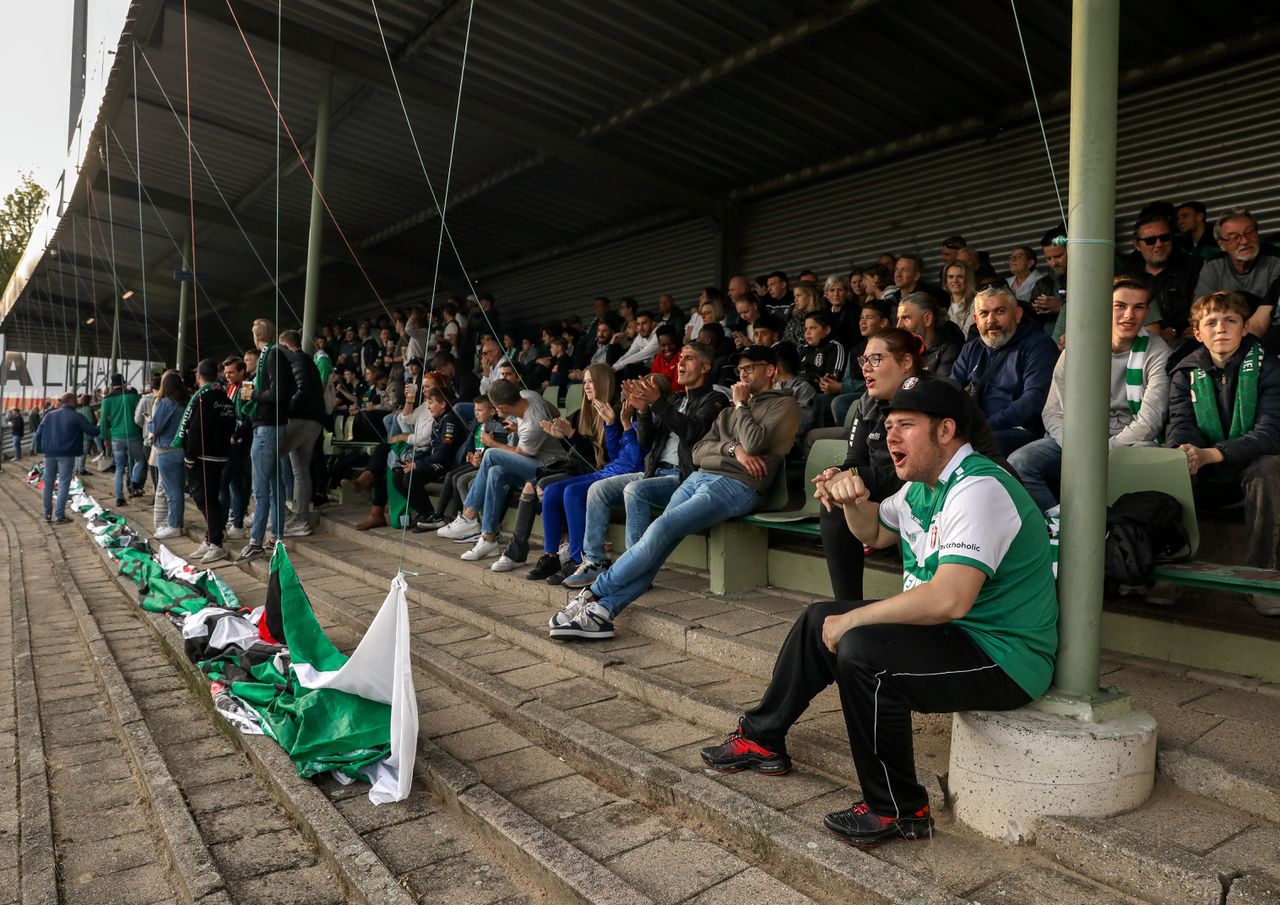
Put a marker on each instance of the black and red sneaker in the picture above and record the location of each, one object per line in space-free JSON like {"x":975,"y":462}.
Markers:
{"x":860,"y":826}
{"x":740,"y":753}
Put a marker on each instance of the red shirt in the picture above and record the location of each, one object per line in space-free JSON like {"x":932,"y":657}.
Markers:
{"x":666,"y":366}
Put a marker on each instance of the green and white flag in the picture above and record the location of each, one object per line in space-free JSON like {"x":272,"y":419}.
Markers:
{"x":355,"y":715}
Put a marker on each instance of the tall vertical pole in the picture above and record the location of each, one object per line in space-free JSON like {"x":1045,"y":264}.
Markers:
{"x":115,"y":330}
{"x":1090,"y":263}
{"x":79,"y":44}
{"x":315,"y":238}
{"x":184,"y":304}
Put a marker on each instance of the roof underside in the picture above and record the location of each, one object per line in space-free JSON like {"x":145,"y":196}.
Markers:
{"x":575,"y":119}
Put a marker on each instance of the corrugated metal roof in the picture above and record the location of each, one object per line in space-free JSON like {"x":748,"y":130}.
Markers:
{"x":578,"y":118}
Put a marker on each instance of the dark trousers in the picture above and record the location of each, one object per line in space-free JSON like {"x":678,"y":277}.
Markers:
{"x":884,"y":672}
{"x":413,"y":485}
{"x":454,"y":493}
{"x":378,"y":468}
{"x":844,"y":555}
{"x":526,"y":512}
{"x":204,"y":480}
{"x":319,"y":473}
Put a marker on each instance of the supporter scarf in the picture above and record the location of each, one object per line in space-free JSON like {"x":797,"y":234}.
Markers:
{"x":1133,"y":373}
{"x":248,"y":408}
{"x":187,"y":414}
{"x":1205,"y":403}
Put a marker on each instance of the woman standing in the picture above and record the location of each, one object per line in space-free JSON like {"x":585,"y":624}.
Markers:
{"x":163,"y":426}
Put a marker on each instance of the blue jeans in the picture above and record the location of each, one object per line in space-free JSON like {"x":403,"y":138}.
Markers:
{"x":1039,"y":465}
{"x":173,"y":478}
{"x":646,"y":495}
{"x":499,"y":472}
{"x":59,"y":468}
{"x":602,"y":496}
{"x":267,"y":492}
{"x":17,"y":447}
{"x":564,"y":509}
{"x":128,"y":453}
{"x":1011,"y":439}
{"x":700,"y":502}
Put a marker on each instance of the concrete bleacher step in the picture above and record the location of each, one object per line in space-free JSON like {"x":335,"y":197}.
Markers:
{"x":1199,"y":749}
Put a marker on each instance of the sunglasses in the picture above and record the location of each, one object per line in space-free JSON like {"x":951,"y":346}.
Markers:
{"x":1152,"y":240}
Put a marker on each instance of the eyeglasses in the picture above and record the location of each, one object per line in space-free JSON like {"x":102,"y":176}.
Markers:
{"x":1152,"y":240}
{"x":873,"y":359}
{"x":1233,"y":238}
{"x":746,"y":370}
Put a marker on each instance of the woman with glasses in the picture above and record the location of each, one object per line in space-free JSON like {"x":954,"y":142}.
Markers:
{"x":891,"y":357}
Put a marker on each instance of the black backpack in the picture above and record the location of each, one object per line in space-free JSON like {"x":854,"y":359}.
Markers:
{"x":1143,"y":528}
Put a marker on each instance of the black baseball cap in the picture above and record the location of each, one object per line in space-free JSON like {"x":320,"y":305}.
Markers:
{"x":954,"y":242}
{"x":117,"y":380}
{"x":757,"y":353}
{"x":935,"y":396}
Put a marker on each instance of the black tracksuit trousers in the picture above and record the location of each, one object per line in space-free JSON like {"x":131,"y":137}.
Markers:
{"x":884,"y":672}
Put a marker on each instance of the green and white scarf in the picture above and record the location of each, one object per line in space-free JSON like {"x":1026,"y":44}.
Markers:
{"x":248,"y":408}
{"x":180,"y":437}
{"x":1205,"y":403}
{"x":1133,"y":372}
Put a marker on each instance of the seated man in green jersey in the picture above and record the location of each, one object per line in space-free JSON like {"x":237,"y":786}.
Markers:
{"x":1224,"y":413}
{"x":975,"y":627}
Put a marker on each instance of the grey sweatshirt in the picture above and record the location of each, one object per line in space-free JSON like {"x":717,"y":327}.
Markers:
{"x":1123,"y":428}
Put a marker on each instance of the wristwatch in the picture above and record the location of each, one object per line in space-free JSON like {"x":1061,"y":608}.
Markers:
{"x":731,"y":449}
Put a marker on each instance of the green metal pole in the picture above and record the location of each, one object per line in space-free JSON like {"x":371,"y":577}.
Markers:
{"x":184,"y":304}
{"x":1090,"y":264}
{"x":315,"y":238}
{"x":115,"y":333}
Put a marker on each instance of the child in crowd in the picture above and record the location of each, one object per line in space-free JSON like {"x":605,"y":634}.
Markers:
{"x":458,"y":481}
{"x":1224,"y":413}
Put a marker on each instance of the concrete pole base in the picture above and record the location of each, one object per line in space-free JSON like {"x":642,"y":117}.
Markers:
{"x":1008,"y":769}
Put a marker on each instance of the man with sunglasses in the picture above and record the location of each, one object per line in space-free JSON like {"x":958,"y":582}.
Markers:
{"x":1170,"y":273}
{"x":737,"y":460}
{"x":1246,"y":268}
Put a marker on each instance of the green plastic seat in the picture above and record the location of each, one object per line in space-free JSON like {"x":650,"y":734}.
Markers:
{"x":1134,"y":468}
{"x":572,"y":399}
{"x":552,"y":395}
{"x":824,"y":454}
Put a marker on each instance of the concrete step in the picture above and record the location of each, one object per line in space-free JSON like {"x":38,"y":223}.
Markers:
{"x":1207,"y":718}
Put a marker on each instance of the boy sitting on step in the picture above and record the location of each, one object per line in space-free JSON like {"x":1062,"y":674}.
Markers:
{"x":1224,"y":413}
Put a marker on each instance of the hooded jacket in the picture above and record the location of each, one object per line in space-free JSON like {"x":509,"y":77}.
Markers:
{"x":664,"y":418}
{"x":1013,"y":393}
{"x":1263,"y":439}
{"x":765,"y":426}
{"x":116,"y":415}
{"x":307,"y":402}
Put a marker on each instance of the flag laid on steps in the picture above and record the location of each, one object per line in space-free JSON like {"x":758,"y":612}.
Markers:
{"x":357,"y":715}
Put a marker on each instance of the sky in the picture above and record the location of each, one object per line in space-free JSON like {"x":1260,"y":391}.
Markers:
{"x":35,"y":65}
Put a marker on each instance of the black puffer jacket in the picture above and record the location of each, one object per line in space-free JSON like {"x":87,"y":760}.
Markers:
{"x":307,"y":402}
{"x":869,"y":451}
{"x":1263,"y":439}
{"x":275,"y":390}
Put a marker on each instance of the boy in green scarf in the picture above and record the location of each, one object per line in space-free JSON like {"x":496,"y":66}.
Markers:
{"x":1224,"y":413}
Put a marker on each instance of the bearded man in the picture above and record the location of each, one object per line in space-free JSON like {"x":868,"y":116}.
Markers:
{"x":1008,"y":368}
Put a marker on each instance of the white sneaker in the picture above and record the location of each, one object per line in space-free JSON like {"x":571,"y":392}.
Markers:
{"x":563,"y":553}
{"x":167,"y":533}
{"x":592,"y":623}
{"x":482,"y":550}
{"x":298,"y":528}
{"x":234,"y":533}
{"x":460,"y":529}
{"x":571,"y":610}
{"x":214,"y":554}
{"x":1265,"y":604}
{"x":505,"y":564}
{"x":201,"y":550}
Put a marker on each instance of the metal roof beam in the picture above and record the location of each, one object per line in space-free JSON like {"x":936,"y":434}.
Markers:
{"x":727,"y":65}
{"x":373,"y":69}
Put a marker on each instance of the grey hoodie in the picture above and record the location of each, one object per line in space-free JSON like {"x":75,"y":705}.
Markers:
{"x":765,"y":425}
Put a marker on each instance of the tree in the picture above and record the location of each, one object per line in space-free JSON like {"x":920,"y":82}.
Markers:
{"x":19,"y":212}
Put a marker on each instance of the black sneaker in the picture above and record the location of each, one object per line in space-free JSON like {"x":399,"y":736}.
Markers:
{"x":429,"y":522}
{"x":859,"y":826}
{"x":251,"y":551}
{"x":739,"y":753}
{"x":62,"y":521}
{"x":120,"y":501}
{"x":566,"y":569}
{"x":548,"y":564}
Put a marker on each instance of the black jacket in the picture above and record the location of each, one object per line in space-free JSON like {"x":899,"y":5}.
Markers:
{"x":447,"y":434}
{"x":212,"y":425}
{"x":1263,"y":440}
{"x":307,"y":402}
{"x":947,"y":343}
{"x":664,"y":418}
{"x":277,"y":388}
{"x":1173,"y":289}
{"x":869,"y":451}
